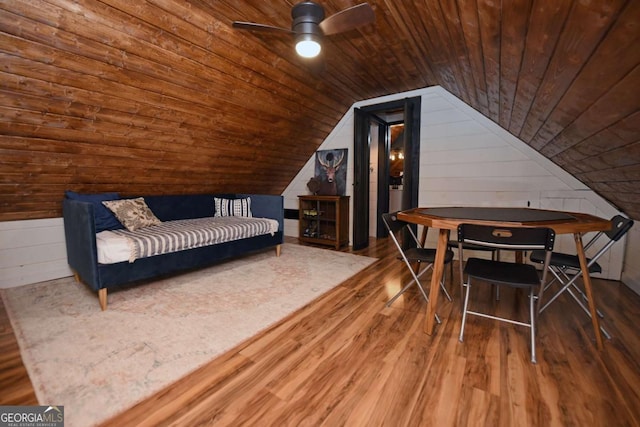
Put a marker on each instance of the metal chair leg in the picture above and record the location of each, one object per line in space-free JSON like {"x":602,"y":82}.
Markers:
{"x":574,"y":286}
{"x":532,"y":320}
{"x":567,"y":287}
{"x":422,"y":291}
{"x":464,"y":309}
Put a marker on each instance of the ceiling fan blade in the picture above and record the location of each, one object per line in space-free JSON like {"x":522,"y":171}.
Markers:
{"x":252,"y":26}
{"x":348,"y":19}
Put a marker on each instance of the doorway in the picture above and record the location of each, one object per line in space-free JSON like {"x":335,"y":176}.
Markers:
{"x":373,"y":129}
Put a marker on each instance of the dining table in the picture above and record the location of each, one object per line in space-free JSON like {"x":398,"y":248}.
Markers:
{"x":445,"y":219}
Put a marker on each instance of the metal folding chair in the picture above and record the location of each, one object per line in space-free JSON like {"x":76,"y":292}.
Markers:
{"x":495,"y":256}
{"x":517,"y":275}
{"x":412,"y":252}
{"x":565,"y":268}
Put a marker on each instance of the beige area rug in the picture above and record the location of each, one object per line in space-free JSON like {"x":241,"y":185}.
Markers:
{"x":98,"y":364}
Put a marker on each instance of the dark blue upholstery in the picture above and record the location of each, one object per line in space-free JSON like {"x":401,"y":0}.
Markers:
{"x":80,"y":234}
{"x":104,"y":218}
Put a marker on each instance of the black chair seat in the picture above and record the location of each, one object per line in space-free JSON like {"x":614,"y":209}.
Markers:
{"x":507,"y":273}
{"x":563,"y":260}
{"x":426,"y":255}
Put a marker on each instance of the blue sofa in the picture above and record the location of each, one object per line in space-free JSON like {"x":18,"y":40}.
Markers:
{"x":80,"y":227}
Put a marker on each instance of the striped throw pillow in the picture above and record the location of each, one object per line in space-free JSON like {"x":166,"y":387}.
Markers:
{"x":232,"y":207}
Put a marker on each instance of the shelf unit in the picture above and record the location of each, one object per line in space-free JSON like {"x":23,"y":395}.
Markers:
{"x":324,"y":220}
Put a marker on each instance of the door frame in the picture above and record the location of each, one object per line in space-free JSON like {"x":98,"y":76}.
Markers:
{"x":362,"y":146}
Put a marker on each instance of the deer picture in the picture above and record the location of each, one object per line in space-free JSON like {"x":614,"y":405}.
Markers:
{"x":330,"y":162}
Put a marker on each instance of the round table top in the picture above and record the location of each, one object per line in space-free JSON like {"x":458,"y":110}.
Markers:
{"x":450,"y":217}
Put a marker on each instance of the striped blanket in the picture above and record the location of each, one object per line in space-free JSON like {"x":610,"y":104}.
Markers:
{"x":173,"y":236}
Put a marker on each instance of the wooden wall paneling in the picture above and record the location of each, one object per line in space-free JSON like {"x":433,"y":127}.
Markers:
{"x":355,"y":73}
{"x":626,"y":156}
{"x":589,"y":154}
{"x":515,"y":20}
{"x":203,"y":20}
{"x":628,"y":129}
{"x":572,"y":52}
{"x":409,"y":38}
{"x":624,"y":191}
{"x":468,"y":11}
{"x":458,"y":49}
{"x":84,"y":101}
{"x":167,"y":81}
{"x":124,"y":23}
{"x":612,"y":60}
{"x":490,"y":24}
{"x":207,"y":113}
{"x":282,"y":51}
{"x":390,"y":45}
{"x":615,"y":105}
{"x":358,"y":44}
{"x":361,"y":45}
{"x":621,"y":133}
{"x":630,"y":172}
{"x":156,"y":147}
{"x":545,"y":25}
{"x":430,"y":20}
{"x":403,"y":41}
{"x":111,"y":166}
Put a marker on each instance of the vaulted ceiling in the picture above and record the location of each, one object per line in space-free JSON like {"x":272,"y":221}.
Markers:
{"x":164,"y":96}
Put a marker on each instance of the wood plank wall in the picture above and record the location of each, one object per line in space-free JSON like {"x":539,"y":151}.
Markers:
{"x":163,"y":96}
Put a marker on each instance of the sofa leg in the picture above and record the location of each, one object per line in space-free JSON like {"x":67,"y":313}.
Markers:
{"x":76,"y":276}
{"x":102,"y":297}
{"x":278,"y":248}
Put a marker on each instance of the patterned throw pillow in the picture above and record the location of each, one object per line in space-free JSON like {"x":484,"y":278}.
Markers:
{"x":132,"y":213}
{"x":233,"y":207}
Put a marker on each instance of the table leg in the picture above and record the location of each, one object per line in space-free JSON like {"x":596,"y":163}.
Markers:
{"x":423,"y":237}
{"x":434,"y":291}
{"x":422,"y":241}
{"x":587,"y":287}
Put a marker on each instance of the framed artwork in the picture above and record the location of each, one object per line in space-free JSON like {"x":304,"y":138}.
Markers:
{"x":331,"y":172}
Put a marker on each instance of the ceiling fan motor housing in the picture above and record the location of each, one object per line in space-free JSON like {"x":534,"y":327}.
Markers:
{"x":307,"y":16}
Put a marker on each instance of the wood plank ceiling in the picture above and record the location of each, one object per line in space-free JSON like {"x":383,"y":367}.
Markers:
{"x":164,"y":97}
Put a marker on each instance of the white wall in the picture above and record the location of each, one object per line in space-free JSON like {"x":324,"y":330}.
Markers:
{"x":466,"y":159}
{"x":32,"y":251}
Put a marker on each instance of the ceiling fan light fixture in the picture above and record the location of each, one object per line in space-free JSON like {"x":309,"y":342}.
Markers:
{"x":309,"y":26}
{"x":308,"y":46}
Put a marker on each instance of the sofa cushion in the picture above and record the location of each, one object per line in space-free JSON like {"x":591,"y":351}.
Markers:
{"x":232,"y":207}
{"x":133,"y":213}
{"x":174,"y":207}
{"x":103,"y":217}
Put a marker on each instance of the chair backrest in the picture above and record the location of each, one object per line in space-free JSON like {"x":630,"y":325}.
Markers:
{"x":407,"y":239}
{"x":510,"y":238}
{"x":392,"y":222}
{"x":619,"y":227}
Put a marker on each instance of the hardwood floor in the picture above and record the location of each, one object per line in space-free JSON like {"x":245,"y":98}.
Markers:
{"x":345,"y":359}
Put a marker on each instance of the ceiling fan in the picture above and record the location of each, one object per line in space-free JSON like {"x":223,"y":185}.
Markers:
{"x":309,"y":25}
